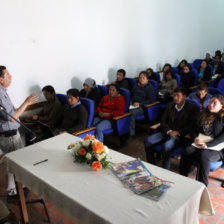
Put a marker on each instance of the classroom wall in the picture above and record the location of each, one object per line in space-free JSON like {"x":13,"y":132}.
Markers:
{"x":62,"y":42}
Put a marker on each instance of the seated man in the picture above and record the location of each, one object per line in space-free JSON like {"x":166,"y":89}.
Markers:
{"x":121,"y":82}
{"x":178,"y":120}
{"x":201,"y":96}
{"x":73,"y":116}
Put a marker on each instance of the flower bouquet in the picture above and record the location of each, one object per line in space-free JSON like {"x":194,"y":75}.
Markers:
{"x":90,"y":151}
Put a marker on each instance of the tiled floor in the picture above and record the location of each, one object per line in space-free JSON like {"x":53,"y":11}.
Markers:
{"x":135,"y":149}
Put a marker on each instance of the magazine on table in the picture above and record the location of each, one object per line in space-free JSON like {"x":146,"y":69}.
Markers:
{"x":158,"y":192}
{"x":121,"y":170}
{"x":136,"y":176}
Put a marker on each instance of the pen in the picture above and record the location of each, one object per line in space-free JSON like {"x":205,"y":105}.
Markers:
{"x":40,"y":162}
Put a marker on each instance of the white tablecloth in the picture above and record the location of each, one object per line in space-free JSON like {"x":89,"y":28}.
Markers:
{"x":86,"y":196}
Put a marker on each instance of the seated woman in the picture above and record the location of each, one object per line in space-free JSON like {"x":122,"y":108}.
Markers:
{"x":167,"y":86}
{"x":201,"y":96}
{"x":210,"y":123}
{"x":142,"y":94}
{"x":110,"y":106}
{"x":166,"y":67}
{"x":90,"y":91}
{"x":151,"y":74}
{"x":50,"y":109}
{"x":204,"y":73}
{"x":187,"y":78}
{"x":181,"y":65}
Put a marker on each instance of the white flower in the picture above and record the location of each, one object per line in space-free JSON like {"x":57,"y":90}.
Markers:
{"x":88,"y":156}
{"x":100,"y":156}
{"x":76,"y":147}
{"x":106,"y":150}
{"x":86,"y":143}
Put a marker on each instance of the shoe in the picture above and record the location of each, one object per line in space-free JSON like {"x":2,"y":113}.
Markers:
{"x":12,"y":192}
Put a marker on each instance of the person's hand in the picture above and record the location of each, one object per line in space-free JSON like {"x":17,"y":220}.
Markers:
{"x":35,"y":117}
{"x":106,"y":114}
{"x":174,"y":134}
{"x":100,"y":114}
{"x":31,"y":99}
{"x":136,"y":104}
{"x":201,"y":144}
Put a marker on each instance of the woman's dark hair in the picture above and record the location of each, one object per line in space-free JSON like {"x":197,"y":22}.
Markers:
{"x":49,"y":89}
{"x":150,"y":69}
{"x":115,"y":86}
{"x":169,"y":65}
{"x":2,"y":68}
{"x":171,"y":72}
{"x":144,"y":73}
{"x":206,"y":115}
{"x":122,"y":71}
{"x":179,"y":66}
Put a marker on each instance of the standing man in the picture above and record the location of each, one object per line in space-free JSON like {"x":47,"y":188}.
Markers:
{"x":10,"y":139}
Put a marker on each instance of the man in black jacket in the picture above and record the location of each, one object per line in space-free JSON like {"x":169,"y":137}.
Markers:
{"x":121,"y":82}
{"x":73,"y":116}
{"x":178,"y":120}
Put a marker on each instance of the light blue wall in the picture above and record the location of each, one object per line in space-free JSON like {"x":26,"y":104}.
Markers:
{"x":61,"y":42}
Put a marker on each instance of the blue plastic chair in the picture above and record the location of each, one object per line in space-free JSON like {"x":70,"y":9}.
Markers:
{"x":197,"y":63}
{"x":157,"y":75}
{"x":132,"y":81}
{"x":220,"y":86}
{"x":90,"y":107}
{"x":214,"y":91}
{"x":175,"y":69}
{"x":62,"y":98}
{"x":103,"y":90}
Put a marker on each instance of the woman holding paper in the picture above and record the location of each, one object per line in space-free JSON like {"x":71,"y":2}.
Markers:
{"x":209,"y":145}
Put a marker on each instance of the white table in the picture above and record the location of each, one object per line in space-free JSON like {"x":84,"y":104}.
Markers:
{"x":86,"y":196}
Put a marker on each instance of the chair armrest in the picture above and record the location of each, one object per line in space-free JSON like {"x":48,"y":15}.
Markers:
{"x":210,"y":81}
{"x":84,"y":131}
{"x":122,"y":116}
{"x":151,"y":104}
{"x":193,"y":87}
{"x":28,"y":123}
{"x":155,"y":126}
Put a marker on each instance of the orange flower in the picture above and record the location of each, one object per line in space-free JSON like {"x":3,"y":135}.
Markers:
{"x":98,"y":147}
{"x":96,"y":166}
{"x":88,"y":137}
{"x":82,"y":152}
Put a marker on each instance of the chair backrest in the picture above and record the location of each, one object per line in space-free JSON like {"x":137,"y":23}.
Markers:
{"x":177,"y":77}
{"x":221,"y":86}
{"x":157,"y":75}
{"x":197,"y":63}
{"x":126,"y":94}
{"x":211,"y":69}
{"x":214,"y":91}
{"x":156,"y":86}
{"x":196,"y":103}
{"x":62,"y":98}
{"x":175,"y":69}
{"x":103,"y":90}
{"x":195,"y":73}
{"x":90,"y":107}
{"x":132,"y":81}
